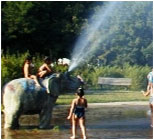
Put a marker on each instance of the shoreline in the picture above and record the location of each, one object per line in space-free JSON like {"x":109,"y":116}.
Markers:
{"x":114,"y":103}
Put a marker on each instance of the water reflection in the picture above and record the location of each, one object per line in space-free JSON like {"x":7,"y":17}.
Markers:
{"x":103,"y":122}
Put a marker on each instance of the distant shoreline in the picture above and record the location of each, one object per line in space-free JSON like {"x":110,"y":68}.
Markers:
{"x":114,"y":103}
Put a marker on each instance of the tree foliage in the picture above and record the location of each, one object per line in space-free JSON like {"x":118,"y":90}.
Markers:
{"x":52,"y":27}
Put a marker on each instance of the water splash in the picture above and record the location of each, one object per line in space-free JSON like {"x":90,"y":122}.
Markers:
{"x":82,"y":48}
{"x":102,"y":26}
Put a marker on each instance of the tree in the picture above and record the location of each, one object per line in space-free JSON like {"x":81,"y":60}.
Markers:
{"x":52,"y":28}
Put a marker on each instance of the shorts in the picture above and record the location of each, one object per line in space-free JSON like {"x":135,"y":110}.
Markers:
{"x":151,"y":100}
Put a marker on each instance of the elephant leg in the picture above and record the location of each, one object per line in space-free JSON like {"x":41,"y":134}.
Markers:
{"x":11,"y":119}
{"x":45,"y":118}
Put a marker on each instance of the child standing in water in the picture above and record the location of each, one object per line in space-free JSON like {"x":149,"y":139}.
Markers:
{"x":77,"y":113}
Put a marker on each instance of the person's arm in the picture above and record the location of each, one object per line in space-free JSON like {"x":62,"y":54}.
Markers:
{"x":48,"y":68}
{"x":42,"y":67}
{"x":71,"y":109}
{"x":80,"y":78}
{"x":147,"y":93}
{"x":86,"y":104}
{"x":148,"y":76}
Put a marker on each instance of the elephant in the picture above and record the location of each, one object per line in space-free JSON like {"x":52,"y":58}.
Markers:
{"x":22,"y":96}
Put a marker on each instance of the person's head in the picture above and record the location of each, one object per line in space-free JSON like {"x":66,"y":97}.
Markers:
{"x":28,"y":59}
{"x":80,"y":92}
{"x":47,"y":60}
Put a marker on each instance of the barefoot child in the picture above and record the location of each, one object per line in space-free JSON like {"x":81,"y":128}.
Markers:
{"x":77,"y":113}
{"x":150,"y":80}
{"x":27,"y":68}
{"x":150,"y":92}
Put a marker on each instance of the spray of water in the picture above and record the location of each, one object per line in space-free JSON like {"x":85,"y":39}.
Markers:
{"x":104,"y":20}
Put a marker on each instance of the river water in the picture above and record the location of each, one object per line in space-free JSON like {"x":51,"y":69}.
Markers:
{"x":102,"y":122}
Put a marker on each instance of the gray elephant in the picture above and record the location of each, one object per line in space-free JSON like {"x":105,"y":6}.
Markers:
{"x":22,"y":96}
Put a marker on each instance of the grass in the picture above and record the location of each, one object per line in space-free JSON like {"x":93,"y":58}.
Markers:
{"x":104,"y":97}
{"x":56,"y":128}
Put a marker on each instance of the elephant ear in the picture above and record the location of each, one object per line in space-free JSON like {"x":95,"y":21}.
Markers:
{"x":54,"y":86}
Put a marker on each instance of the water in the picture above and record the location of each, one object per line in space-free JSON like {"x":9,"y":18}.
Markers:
{"x":102,"y":27}
{"x":102,"y":122}
{"x":82,"y":48}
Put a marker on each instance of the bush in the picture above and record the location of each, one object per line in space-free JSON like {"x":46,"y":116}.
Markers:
{"x":138,"y":75}
{"x":11,"y":68}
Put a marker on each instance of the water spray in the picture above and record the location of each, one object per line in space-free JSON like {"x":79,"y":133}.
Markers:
{"x":101,"y":29}
{"x":82,"y":48}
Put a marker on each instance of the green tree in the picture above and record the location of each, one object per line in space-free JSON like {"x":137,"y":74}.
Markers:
{"x":52,"y":28}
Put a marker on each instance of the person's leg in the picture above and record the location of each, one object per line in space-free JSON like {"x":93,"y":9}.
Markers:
{"x":74,"y":125}
{"x":42,"y":73}
{"x":35,"y":79}
{"x":82,"y":126}
{"x":151,"y":107}
{"x":147,"y":92}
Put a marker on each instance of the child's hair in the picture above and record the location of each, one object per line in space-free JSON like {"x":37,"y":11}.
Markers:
{"x":28,"y":58}
{"x":80,"y":92}
{"x":46,"y":58}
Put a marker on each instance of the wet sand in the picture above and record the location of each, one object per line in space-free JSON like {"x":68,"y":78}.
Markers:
{"x":127,"y":120}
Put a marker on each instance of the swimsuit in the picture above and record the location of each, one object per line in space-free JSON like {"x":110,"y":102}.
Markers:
{"x":79,"y":111}
{"x":150,"y":77}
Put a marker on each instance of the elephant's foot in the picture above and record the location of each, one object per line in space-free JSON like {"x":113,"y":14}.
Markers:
{"x":7,"y":126}
{"x":44,"y":127}
{"x":11,"y":126}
